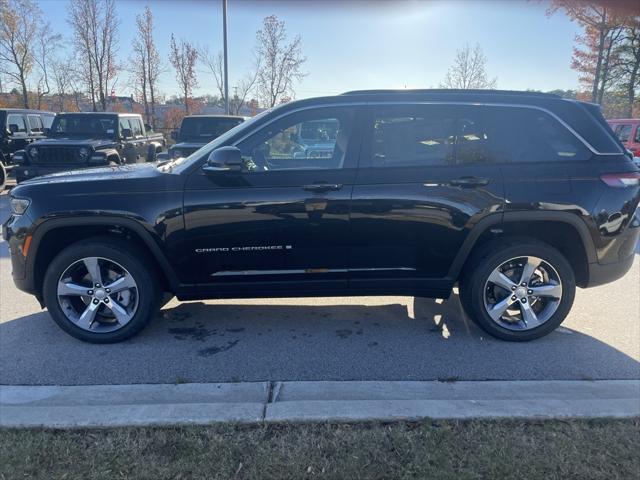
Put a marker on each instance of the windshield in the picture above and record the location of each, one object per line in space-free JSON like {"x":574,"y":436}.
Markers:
{"x":86,"y":126}
{"x":204,"y":129}
{"x":179,"y":165}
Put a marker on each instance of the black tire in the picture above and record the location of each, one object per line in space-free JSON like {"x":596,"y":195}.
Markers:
{"x":3,"y":176}
{"x":134,"y":260}
{"x":151,"y":153}
{"x":489,"y":257}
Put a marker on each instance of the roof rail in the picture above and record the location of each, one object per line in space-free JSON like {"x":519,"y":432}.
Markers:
{"x":447,"y":90}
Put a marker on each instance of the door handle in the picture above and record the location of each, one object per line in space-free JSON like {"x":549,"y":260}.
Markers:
{"x":322,"y":187}
{"x":469,"y":182}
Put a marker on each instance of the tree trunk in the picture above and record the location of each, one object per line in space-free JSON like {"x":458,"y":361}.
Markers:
{"x":631,"y":91}
{"x":596,"y":79}
{"x":25,"y":93}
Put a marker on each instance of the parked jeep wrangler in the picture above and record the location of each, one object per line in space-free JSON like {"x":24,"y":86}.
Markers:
{"x":18,"y":128}
{"x":79,"y":140}
{"x":516,"y":198}
{"x":198,"y":130}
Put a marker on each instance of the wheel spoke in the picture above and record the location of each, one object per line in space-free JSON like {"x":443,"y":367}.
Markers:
{"x":529,"y":317}
{"x":119,"y":312}
{"x":87,"y":317}
{"x":72,"y":289}
{"x":529,"y":269}
{"x":123,"y":283}
{"x":500,"y":279}
{"x":497,"y":310}
{"x":550,"y":290}
{"x":94,"y":269}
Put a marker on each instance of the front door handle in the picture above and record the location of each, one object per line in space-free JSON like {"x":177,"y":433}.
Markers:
{"x":469,"y":182}
{"x":322,"y":187}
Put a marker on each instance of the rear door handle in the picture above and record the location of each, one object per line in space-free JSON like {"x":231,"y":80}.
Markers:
{"x":469,"y":182}
{"x":322,"y":187}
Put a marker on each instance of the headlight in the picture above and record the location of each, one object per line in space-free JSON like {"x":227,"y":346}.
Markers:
{"x":33,"y":152}
{"x":84,"y":153}
{"x":19,"y":205}
{"x":176,"y":153}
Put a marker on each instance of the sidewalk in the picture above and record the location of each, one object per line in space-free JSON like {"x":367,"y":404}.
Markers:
{"x":182,"y":404}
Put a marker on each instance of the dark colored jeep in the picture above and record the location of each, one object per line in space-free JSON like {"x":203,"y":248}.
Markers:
{"x":516,"y":198}
{"x":78,"y":140}
{"x":198,"y":130}
{"x":18,"y":128}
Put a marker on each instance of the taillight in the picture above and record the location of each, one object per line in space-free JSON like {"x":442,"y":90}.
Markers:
{"x":621,"y":180}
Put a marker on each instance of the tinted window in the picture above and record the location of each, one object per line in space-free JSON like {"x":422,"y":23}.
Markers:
{"x":203,"y":128}
{"x":412,"y":135}
{"x":17,"y":120}
{"x":529,"y":135}
{"x":84,"y":126}
{"x":623,"y":131}
{"x":35,"y":123}
{"x":309,"y":140}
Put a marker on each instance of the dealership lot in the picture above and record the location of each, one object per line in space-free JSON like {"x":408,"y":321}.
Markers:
{"x":351,"y":338}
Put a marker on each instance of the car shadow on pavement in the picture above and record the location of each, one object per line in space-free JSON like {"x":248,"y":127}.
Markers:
{"x":252,"y":340}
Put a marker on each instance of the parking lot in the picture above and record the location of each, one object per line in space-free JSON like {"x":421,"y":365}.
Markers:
{"x":350,"y":338}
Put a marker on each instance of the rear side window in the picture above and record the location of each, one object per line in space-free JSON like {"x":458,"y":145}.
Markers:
{"x":623,"y":132}
{"x":16,"y":123}
{"x":413,"y":135}
{"x":529,"y":135}
{"x":637,"y":137}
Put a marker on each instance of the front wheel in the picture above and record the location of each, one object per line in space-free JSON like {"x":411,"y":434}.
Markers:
{"x":518,"y":290}
{"x":101,"y":290}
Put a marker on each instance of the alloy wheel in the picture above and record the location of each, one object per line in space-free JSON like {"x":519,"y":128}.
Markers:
{"x":522,"y":293}
{"x":98,"y":295}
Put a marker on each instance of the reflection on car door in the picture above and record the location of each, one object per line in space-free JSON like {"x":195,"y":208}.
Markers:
{"x":284,"y":218}
{"x":424,"y":181}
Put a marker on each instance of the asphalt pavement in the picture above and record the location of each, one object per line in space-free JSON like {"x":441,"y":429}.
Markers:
{"x":347,"y":338}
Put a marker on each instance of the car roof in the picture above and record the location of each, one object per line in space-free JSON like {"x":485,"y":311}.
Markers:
{"x":25,"y":110}
{"x":118,"y":114}
{"x":625,"y":120}
{"x":234,"y":117}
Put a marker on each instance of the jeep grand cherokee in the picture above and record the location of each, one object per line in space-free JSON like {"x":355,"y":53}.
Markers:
{"x":515,"y":197}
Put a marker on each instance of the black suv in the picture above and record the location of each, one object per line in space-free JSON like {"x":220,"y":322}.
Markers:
{"x":19,"y":128}
{"x":515,"y":197}
{"x":88,"y":139}
{"x":198,"y":130}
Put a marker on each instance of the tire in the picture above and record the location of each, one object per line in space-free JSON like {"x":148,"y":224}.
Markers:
{"x":479,"y":294}
{"x":151,"y":153}
{"x":118,"y":316}
{"x":3,"y":176}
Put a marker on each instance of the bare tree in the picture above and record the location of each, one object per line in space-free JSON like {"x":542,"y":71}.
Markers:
{"x":63,"y":77}
{"x":20,"y":25}
{"x":183,"y":57}
{"x":242,"y":89}
{"x":47,"y":45}
{"x":469,"y":71}
{"x":95,"y":24}
{"x":148,"y":62}
{"x":280,"y":62}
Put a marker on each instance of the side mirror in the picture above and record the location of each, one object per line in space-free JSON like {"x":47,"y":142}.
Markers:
{"x":224,"y":159}
{"x":148,"y":127}
{"x":13,"y":128}
{"x":126,"y":133}
{"x":174,"y":135}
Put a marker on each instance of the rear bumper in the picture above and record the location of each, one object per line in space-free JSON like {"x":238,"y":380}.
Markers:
{"x":626,"y":246}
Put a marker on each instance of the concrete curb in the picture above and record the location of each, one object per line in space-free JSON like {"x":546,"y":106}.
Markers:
{"x":198,"y":404}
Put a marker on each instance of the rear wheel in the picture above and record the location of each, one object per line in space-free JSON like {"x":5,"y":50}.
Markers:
{"x":101,"y":291}
{"x":519,"y":290}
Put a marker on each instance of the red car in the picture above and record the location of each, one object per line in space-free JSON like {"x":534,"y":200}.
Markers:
{"x":628,"y":131}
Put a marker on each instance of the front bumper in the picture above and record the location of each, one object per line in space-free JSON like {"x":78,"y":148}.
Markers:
{"x":14,"y":232}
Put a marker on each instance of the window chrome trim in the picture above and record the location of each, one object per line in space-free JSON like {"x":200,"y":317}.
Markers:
{"x":481,"y":104}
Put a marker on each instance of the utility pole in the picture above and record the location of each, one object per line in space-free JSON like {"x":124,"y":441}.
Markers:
{"x":226,"y":65}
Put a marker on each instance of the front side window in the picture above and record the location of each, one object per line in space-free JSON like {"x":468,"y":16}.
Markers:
{"x":412,"y":135}
{"x":35,"y":123}
{"x":16,"y":124}
{"x":125,"y":125}
{"x":308,"y":140}
{"x":623,"y":132}
{"x":136,"y":127}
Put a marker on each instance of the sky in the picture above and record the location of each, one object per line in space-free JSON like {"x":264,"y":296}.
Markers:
{"x":352,"y":45}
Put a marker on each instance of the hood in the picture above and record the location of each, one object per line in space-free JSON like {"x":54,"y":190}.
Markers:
{"x":188,"y":145}
{"x":100,"y":174}
{"x":76,"y":142}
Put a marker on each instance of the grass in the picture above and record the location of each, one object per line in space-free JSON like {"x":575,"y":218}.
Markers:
{"x":580,"y":449}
